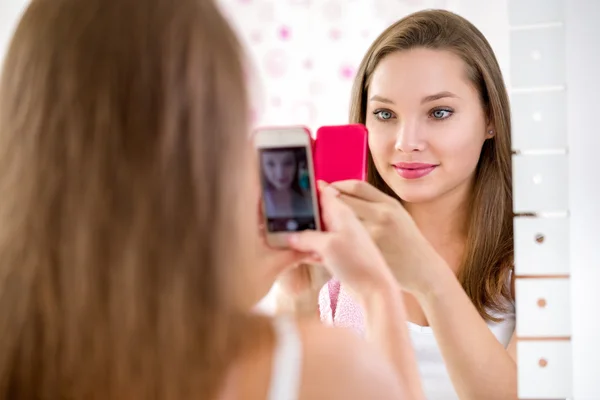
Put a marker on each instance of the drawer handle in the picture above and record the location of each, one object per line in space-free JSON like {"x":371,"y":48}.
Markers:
{"x":541,"y":303}
{"x":542,"y":363}
{"x":539,"y":238}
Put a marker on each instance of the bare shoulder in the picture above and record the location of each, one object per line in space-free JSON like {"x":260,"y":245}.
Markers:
{"x":336,"y":364}
{"x":340,"y":364}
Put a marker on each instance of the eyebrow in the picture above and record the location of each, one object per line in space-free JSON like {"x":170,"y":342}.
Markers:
{"x":381,"y":99}
{"x":427,"y":99}
{"x":437,"y":96}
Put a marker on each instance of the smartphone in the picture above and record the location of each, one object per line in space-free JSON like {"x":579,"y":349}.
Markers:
{"x":288,"y":188}
{"x":341,"y":153}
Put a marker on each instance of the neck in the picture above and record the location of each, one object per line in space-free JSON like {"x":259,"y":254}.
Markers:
{"x":444,"y":223}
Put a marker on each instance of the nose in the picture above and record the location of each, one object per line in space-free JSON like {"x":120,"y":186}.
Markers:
{"x":279,"y":171}
{"x":409,"y":137}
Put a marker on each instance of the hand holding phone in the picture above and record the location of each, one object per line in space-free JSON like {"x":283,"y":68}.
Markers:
{"x":289,"y":194}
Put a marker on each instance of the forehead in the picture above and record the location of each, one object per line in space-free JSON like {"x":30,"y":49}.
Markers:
{"x":277,"y":155}
{"x":416,"y":73}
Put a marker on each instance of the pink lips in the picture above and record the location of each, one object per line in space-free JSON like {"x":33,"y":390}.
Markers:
{"x":414,"y":170}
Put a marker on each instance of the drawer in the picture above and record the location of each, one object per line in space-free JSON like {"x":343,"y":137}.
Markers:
{"x":544,"y":369}
{"x":537,"y":57}
{"x":539,"y":120}
{"x":528,"y":12}
{"x":543,"y":307}
{"x":540,"y":183}
{"x":541,"y":246}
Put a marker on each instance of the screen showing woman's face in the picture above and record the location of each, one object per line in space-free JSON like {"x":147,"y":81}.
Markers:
{"x":279,"y":168}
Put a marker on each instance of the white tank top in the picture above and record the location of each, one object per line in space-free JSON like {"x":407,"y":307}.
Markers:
{"x":286,"y":373}
{"x":434,"y":375}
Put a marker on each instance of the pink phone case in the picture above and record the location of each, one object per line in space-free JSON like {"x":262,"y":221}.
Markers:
{"x":340,"y":153}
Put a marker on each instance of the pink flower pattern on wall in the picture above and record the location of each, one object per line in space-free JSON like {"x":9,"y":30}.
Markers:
{"x":305,"y":53}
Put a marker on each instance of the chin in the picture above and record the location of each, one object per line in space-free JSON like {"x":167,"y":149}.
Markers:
{"x":416,"y":197}
{"x":416,"y":191}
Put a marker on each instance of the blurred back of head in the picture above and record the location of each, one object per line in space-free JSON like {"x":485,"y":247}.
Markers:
{"x":121,"y":125}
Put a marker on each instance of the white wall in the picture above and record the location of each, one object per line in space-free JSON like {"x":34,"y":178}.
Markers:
{"x":10,"y":12}
{"x":583,"y":63}
{"x":306,"y":73}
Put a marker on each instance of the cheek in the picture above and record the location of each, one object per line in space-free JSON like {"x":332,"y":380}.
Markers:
{"x":251,"y":174}
{"x":461,"y":155}
{"x":245,"y":179}
{"x":381,"y":147}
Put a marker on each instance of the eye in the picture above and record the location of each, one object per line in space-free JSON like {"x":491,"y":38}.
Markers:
{"x":441,"y":113}
{"x":383,"y":115}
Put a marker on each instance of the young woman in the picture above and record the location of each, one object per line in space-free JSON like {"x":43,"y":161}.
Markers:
{"x":431,"y":93}
{"x":283,"y":193}
{"x":128,"y":255}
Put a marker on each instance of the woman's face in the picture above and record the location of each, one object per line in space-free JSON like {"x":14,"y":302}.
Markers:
{"x":426,"y":124}
{"x":279,"y":168}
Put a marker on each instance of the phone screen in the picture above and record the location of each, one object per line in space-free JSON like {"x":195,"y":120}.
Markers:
{"x":287,"y":189}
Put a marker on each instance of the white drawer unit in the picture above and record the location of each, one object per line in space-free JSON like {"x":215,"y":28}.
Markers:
{"x":538,"y":57}
{"x":544,"y":369}
{"x":539,"y":120}
{"x":531,"y":12}
{"x":540,"y":183}
{"x":541,"y":246}
{"x":543,"y":308}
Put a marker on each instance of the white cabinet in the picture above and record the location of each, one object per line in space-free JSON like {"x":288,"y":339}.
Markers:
{"x":531,"y":12}
{"x":543,"y":308}
{"x":539,"y":96}
{"x":538,"y":57}
{"x":544,"y":369}
{"x":541,"y":246}
{"x":540,"y":183}
{"x":539,"y":120}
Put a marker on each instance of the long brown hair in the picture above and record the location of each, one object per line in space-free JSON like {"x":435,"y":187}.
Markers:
{"x":119,"y":123}
{"x":488,"y":255}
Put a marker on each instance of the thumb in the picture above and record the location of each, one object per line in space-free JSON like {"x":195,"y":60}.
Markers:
{"x":335,"y":212}
{"x":308,"y":241}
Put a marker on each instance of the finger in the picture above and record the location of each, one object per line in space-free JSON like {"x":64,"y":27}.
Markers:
{"x":289,"y":258}
{"x":261,"y":215}
{"x":364,"y":210}
{"x":308,"y":242}
{"x":362,"y":190}
{"x":336,"y":213}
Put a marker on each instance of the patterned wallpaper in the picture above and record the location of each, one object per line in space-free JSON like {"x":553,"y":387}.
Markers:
{"x":305,"y":52}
